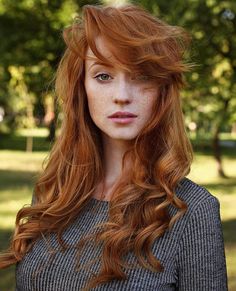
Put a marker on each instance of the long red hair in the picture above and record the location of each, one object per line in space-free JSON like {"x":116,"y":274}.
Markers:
{"x":161,"y":154}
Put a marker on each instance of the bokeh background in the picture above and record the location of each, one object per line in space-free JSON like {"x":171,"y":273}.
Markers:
{"x":30,"y":48}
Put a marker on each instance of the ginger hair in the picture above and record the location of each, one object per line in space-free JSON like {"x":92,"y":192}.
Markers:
{"x":161,"y":153}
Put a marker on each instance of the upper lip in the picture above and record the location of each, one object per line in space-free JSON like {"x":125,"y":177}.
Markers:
{"x":122,"y":114}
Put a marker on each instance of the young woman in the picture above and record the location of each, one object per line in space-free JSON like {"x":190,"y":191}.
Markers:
{"x":113,"y":209}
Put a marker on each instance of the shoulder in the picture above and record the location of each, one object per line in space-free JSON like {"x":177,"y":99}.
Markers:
{"x":202,"y":215}
{"x":195,"y":195}
{"x":199,"y":200}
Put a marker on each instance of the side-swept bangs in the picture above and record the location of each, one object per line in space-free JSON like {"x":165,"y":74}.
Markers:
{"x":138,"y":44}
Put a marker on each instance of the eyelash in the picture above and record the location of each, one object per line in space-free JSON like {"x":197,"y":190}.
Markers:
{"x":139,"y":78}
{"x":97,"y":77}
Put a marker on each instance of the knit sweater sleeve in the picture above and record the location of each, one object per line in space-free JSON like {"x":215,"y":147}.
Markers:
{"x":200,"y":256}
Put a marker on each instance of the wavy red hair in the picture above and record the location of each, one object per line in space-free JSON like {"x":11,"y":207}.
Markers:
{"x":161,"y":154}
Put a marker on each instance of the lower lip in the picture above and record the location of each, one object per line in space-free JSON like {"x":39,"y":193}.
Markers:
{"x":123,"y":120}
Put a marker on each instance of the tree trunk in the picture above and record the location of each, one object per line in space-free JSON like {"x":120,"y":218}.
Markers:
{"x":31,"y":121}
{"x":216,"y":141}
{"x":52,"y":130}
{"x":217,"y":152}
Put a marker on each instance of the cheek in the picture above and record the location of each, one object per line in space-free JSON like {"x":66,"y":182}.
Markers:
{"x":147,"y":105}
{"x":149,"y":98}
{"x":97,"y":106}
{"x":95,"y":103}
{"x":94,"y":107}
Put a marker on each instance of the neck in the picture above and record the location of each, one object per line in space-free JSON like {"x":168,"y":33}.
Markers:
{"x":113,"y":151}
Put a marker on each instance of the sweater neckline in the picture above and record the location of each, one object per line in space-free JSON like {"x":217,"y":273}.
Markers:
{"x":99,"y":201}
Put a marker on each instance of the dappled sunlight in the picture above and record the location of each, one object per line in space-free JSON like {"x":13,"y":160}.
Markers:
{"x":11,"y":203}
{"x":204,"y":170}
{"x":21,"y":161}
{"x":7,"y":222}
{"x":227,"y":205}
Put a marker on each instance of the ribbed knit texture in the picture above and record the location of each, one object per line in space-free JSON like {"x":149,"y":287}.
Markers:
{"x":192,"y":253}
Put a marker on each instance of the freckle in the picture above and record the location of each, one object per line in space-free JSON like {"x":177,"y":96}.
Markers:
{"x":144,"y":100}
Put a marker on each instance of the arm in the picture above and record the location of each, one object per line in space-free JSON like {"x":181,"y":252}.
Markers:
{"x":200,"y":256}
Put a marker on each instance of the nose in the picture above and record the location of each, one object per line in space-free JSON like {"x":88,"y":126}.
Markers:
{"x":123,"y":92}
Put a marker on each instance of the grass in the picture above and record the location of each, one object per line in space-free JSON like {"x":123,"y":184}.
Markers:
{"x":18,"y":172}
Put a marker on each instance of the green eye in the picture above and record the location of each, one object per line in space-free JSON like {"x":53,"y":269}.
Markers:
{"x":102,"y":77}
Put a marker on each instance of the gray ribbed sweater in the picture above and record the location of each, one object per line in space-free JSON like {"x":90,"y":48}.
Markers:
{"x":192,"y":253}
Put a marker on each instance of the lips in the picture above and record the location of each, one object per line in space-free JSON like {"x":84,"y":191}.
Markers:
{"x":122,"y":114}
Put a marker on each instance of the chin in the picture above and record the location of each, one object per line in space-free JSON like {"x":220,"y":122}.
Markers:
{"x":123,"y":138}
{"x":116,"y":134}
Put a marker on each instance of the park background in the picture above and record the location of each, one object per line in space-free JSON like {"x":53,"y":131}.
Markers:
{"x":30,"y":50}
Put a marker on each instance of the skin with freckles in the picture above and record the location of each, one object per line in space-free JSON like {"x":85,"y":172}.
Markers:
{"x":109,"y":89}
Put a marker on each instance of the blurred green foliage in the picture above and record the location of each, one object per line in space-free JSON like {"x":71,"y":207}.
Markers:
{"x":32,"y":45}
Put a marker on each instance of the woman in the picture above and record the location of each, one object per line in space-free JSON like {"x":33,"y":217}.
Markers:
{"x":113,"y":209}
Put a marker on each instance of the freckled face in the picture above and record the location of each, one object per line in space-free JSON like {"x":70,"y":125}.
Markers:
{"x":110,"y":89}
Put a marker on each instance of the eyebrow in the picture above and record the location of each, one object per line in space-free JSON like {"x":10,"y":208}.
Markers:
{"x":101,"y":64}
